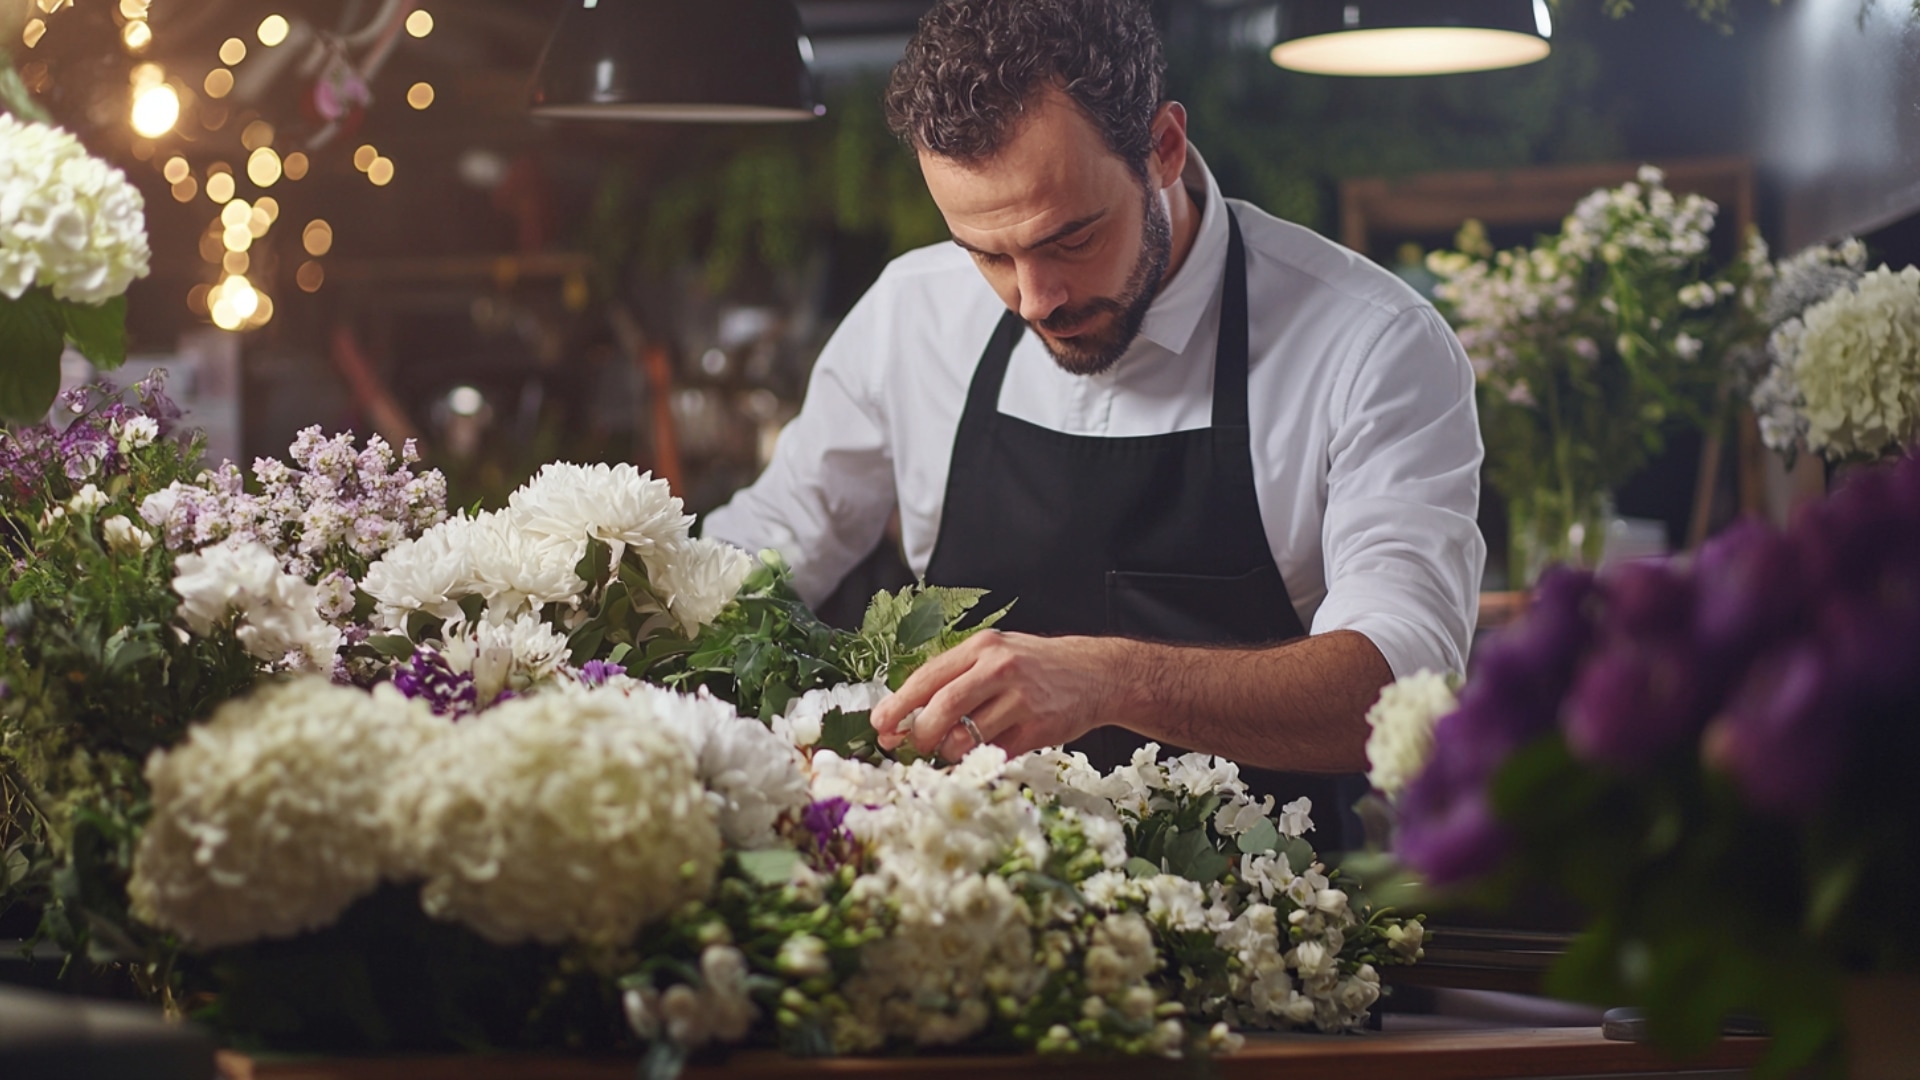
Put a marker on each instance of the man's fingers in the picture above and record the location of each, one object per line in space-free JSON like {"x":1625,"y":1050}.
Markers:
{"x":923,"y":684}
{"x":967,"y":694}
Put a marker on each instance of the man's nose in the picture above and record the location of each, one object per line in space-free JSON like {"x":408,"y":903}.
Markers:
{"x":1042,"y":291}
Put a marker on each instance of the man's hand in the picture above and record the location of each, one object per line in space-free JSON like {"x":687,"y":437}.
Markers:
{"x":1022,"y":692}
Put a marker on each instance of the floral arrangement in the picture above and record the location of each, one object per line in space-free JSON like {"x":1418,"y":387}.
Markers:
{"x":1711,"y":757}
{"x":73,"y":236}
{"x":1842,"y":377}
{"x":1590,"y":345}
{"x":330,"y":767}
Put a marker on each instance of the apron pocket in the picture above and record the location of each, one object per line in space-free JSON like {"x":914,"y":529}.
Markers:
{"x":1245,"y":609}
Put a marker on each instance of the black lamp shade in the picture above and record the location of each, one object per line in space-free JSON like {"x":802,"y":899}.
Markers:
{"x":1411,"y":37}
{"x":713,"y":61}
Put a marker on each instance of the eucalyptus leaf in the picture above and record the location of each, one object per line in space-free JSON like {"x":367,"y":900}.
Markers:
{"x":1299,"y":853}
{"x":771,"y":867}
{"x":1192,"y":856}
{"x":1260,"y":839}
{"x":1138,"y":868}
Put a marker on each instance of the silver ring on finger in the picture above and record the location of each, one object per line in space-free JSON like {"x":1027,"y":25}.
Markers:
{"x":973,"y":731}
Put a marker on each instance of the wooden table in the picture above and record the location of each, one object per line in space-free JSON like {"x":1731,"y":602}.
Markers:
{"x":1449,"y":1055}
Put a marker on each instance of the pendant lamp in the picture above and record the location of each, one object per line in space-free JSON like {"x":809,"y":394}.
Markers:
{"x":1411,"y":37}
{"x":711,"y":61}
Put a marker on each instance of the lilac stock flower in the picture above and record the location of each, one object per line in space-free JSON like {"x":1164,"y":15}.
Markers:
{"x":1785,"y":734}
{"x":1636,"y":700}
{"x":1448,"y":831}
{"x":1752,"y":589}
{"x":833,"y":844}
{"x":597,"y":672}
{"x":428,"y":677}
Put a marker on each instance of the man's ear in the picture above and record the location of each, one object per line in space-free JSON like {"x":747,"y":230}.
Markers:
{"x":1168,"y":158}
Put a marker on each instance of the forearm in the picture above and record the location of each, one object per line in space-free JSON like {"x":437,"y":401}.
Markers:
{"x":1300,"y":707}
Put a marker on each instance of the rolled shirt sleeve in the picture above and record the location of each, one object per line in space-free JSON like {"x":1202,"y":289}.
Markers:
{"x":1403,"y":552}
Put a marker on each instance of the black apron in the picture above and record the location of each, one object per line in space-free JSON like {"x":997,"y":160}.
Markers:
{"x":1155,"y":537}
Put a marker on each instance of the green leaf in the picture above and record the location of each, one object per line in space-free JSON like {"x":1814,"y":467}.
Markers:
{"x":595,"y":564}
{"x":1192,"y":856}
{"x":393,"y":646}
{"x":99,"y":331}
{"x":1299,"y":853}
{"x":1138,"y":868}
{"x":1260,"y":839}
{"x":770,"y":867}
{"x":31,"y":337}
{"x":922,"y":624}
{"x":473,"y":606}
{"x":1832,"y":888}
{"x":619,"y":653}
{"x":849,"y":734}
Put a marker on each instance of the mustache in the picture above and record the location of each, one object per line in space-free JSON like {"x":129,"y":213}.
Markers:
{"x":1068,"y":318}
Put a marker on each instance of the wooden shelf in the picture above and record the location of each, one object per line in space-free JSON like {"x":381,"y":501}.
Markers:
{"x":1451,"y":1055}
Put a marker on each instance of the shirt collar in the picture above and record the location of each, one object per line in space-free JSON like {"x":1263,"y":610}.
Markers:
{"x":1176,"y":312}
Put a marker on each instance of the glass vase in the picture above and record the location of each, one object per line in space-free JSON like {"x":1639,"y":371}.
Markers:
{"x":1551,"y":528}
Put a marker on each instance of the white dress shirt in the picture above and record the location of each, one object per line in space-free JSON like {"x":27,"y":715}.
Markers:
{"x":1366,"y":449}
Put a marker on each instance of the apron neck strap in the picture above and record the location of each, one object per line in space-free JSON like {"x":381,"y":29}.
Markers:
{"x":1229,"y":355}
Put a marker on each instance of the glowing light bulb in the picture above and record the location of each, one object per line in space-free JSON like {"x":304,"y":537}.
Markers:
{"x":155,"y":110}
{"x":263,"y":167}
{"x":274,"y":30}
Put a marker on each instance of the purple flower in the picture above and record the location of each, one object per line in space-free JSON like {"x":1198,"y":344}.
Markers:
{"x":1786,"y":732}
{"x":1639,"y":698}
{"x":597,"y":672}
{"x":428,"y":677}
{"x":1752,"y":588}
{"x":833,"y":844}
{"x":1449,"y":834}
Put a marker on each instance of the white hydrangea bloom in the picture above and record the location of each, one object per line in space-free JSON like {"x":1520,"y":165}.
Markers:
{"x":558,"y":817}
{"x":1402,"y":721}
{"x":273,"y":817}
{"x":626,"y":508}
{"x":68,"y":221}
{"x":1856,"y":358}
{"x":278,"y":615}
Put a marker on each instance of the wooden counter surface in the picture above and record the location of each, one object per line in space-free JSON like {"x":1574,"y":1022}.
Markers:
{"x":1451,"y":1055}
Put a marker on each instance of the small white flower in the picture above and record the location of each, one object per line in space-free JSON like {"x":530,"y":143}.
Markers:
{"x":137,"y":433}
{"x":1686,"y":346}
{"x":88,"y":500}
{"x":1296,"y":818}
{"x":1402,"y":723}
{"x":803,"y":956}
{"x":124,"y":538}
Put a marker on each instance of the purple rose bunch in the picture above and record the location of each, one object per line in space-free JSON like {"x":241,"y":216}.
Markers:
{"x":1762,"y":659}
{"x":333,"y":506}
{"x":84,"y":440}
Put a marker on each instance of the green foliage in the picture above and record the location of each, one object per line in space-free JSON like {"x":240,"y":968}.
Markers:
{"x":768,"y":647}
{"x":33,"y":331}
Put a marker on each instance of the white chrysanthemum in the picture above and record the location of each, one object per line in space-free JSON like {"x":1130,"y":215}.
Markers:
{"x":619,"y":504}
{"x":558,"y":817}
{"x":68,"y":220}
{"x":512,"y":655}
{"x":271,"y":818}
{"x":517,"y":570}
{"x":1857,"y":363}
{"x":428,"y":574}
{"x":807,"y":713}
{"x":698,"y":579}
{"x":1402,"y":722}
{"x":752,"y":775}
{"x":278,"y":615}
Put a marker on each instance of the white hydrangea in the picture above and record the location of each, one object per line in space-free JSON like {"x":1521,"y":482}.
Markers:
{"x":699,"y":578}
{"x":806,"y":714}
{"x":1402,"y":721}
{"x":626,"y":508}
{"x":558,"y":817}
{"x":1856,"y":360}
{"x":274,"y":816}
{"x":277,"y":615}
{"x":68,"y":221}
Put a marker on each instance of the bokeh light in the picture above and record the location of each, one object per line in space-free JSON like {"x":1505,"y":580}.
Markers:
{"x":256,"y":135}
{"x":364,"y":158}
{"x":274,"y":30}
{"x":295,"y":166}
{"x":310,"y":276}
{"x":219,"y":83}
{"x":137,"y":35}
{"x":220,"y":187}
{"x":381,"y":172}
{"x":420,"y":95}
{"x":317,"y":238}
{"x":155,"y":110}
{"x":263,"y":167}
{"x":176,"y":169}
{"x":420,"y":23}
{"x":232,"y":51}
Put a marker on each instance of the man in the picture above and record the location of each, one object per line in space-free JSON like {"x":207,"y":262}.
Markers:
{"x":1176,"y":431}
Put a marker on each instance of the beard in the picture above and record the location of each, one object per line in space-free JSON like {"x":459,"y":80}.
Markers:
{"x":1096,"y":351}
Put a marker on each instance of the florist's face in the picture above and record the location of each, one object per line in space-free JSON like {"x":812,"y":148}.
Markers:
{"x":1068,"y":236}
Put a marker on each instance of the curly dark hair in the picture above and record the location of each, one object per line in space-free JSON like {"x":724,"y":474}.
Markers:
{"x":974,"y":66}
